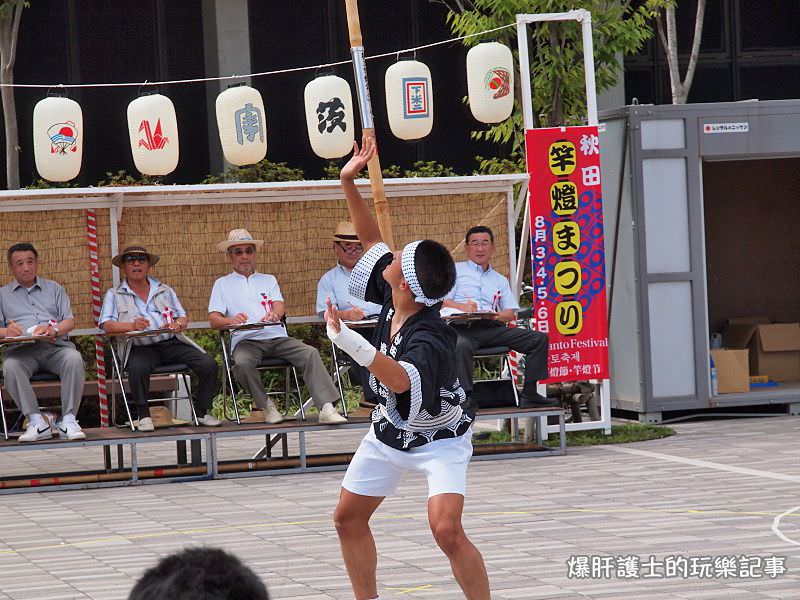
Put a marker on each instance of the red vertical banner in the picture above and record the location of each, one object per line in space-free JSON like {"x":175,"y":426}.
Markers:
{"x":567,"y":253}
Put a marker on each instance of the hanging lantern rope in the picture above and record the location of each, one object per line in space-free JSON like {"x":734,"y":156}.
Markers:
{"x":261,"y":74}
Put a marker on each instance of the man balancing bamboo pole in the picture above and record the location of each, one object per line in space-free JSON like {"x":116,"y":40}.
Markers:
{"x":419,"y":423}
{"x":367,"y":124}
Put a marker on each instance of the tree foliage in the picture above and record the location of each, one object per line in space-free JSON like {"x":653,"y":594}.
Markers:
{"x":556,"y":53}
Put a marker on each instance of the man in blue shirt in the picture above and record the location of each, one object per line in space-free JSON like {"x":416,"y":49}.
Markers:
{"x":333,"y":285}
{"x":481,"y":288}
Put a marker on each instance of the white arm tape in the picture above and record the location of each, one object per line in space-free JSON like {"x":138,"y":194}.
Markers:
{"x":359,"y":349}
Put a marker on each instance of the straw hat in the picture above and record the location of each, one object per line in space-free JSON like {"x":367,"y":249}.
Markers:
{"x":134,"y":249}
{"x":162,"y":417}
{"x":238,"y":237}
{"x":345,"y":232}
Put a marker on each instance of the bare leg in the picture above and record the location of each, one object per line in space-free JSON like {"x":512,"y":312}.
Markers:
{"x":444,"y":516}
{"x":351,"y":518}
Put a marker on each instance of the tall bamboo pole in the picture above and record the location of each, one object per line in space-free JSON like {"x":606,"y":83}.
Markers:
{"x":365,"y":107}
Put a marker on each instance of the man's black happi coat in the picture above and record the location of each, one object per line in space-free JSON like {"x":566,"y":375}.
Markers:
{"x":425,"y":346}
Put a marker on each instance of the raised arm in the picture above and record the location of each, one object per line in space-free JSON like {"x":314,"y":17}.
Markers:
{"x":366,"y":226}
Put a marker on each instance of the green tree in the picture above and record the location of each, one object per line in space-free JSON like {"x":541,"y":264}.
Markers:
{"x":10,"y":15}
{"x":557,"y":77}
{"x":664,"y":16}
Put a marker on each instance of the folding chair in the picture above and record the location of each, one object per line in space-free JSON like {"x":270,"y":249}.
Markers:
{"x":178,"y":369}
{"x":500,"y":352}
{"x":340,"y":366}
{"x":265,"y":364}
{"x":341,"y":363}
{"x":36,"y":377}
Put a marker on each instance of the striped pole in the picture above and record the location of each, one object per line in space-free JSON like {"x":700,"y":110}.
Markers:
{"x":99,"y":347}
{"x":513,"y":360}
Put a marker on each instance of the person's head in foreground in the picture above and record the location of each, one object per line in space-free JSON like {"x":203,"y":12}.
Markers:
{"x":425,"y":268}
{"x":199,"y":574}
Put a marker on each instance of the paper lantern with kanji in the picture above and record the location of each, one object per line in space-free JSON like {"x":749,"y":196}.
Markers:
{"x":490,"y":82}
{"x":153,"y":129}
{"x":242,"y":125}
{"x":409,"y":99}
{"x":329,"y":116}
{"x":58,"y":138}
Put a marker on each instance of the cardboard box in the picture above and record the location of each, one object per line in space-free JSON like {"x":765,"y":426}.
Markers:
{"x":733,"y":370}
{"x":774,"y":347}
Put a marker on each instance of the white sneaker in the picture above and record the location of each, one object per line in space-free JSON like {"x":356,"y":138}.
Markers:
{"x":69,"y":429}
{"x":210,"y":421}
{"x":35,"y":432}
{"x":329,"y":415}
{"x":146,"y":424}
{"x":272,"y":415}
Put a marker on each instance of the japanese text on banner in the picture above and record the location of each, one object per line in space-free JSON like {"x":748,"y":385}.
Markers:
{"x":568,"y":258}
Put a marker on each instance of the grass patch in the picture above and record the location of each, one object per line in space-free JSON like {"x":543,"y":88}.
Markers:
{"x":620,"y":434}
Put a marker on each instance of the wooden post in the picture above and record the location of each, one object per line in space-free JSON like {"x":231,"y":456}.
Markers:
{"x":362,"y":87}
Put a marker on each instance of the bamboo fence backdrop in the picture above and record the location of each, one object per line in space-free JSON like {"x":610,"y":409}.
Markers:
{"x":60,"y":238}
{"x":297,"y":234}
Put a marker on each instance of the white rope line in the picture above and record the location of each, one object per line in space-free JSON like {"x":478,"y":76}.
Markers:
{"x":262,"y":74}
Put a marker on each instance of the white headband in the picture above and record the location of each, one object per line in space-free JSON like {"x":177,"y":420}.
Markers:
{"x":410,"y":274}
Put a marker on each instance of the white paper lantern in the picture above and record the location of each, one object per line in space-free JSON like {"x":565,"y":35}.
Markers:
{"x":490,"y":82}
{"x":242,"y":125}
{"x":409,"y":99}
{"x":329,"y":116}
{"x":153,"y":129}
{"x":58,"y":138}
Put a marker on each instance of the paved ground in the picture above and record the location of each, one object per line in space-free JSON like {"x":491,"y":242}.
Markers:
{"x":702,"y":505}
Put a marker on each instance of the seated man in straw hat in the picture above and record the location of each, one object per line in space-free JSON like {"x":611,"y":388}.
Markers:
{"x":32,"y":305}
{"x":247,"y":296}
{"x":333,"y":285}
{"x":142,"y":302}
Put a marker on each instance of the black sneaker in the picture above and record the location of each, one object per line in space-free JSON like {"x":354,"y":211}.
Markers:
{"x":537,"y":401}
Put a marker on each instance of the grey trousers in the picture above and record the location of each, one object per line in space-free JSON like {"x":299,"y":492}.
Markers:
{"x":249,"y":353}
{"x":20,"y":363}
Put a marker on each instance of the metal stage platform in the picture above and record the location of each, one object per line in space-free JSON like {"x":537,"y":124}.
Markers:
{"x":197,"y":452}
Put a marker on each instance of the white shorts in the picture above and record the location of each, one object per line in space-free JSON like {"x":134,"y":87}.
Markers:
{"x":376,"y":469}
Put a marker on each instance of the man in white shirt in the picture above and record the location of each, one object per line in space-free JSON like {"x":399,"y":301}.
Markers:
{"x":247,"y":296}
{"x":333,"y":285}
{"x":481,"y":288}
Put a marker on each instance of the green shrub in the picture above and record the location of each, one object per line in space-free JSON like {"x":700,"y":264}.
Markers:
{"x":121,"y":179}
{"x":265,"y":170}
{"x":43,"y":184}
